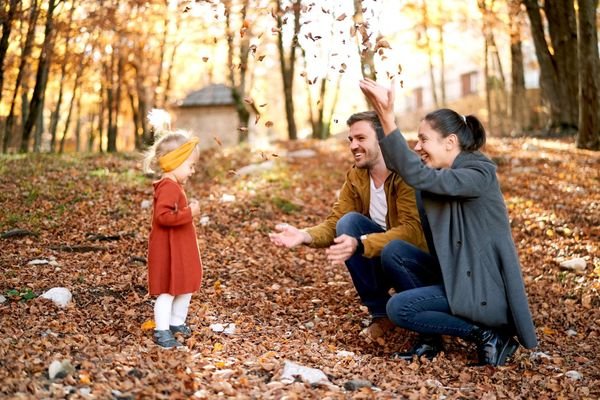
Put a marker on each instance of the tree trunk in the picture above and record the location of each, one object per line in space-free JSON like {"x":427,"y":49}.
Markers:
{"x":6,"y":28}
{"x":39,"y":129}
{"x":41,"y":79}
{"x":367,"y":61}
{"x":167,"y":91}
{"x":555,"y":85}
{"x":74,"y":98}
{"x":519,"y":108}
{"x":425,"y":27}
{"x":78,"y":125}
{"x":589,"y":77}
{"x":238,"y":83}
{"x":440,"y":28}
{"x":55,"y":115}
{"x":287,"y":64}
{"x":488,"y":90}
{"x":161,"y":49}
{"x":8,"y":129}
{"x":562,"y":26}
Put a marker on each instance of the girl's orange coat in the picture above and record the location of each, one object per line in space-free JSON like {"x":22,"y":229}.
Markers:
{"x":174,"y":264}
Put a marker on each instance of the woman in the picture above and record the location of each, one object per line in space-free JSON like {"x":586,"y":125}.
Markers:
{"x":481,"y":296}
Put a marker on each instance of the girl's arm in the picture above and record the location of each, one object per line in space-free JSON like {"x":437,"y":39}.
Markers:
{"x":166,"y":210}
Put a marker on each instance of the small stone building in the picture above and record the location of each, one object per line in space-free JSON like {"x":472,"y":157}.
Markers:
{"x":210,"y":114}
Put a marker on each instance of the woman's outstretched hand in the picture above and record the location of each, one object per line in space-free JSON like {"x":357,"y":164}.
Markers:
{"x":382,"y":100}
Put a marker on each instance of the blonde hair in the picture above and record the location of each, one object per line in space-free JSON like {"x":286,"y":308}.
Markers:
{"x":168,"y":141}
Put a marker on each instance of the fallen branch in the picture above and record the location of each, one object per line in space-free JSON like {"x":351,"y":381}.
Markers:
{"x":78,"y":248}
{"x":101,"y":237}
{"x":16,"y":233}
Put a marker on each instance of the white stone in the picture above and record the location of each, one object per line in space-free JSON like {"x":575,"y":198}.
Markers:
{"x":574,"y":375}
{"x":59,"y":295}
{"x":204,"y":220}
{"x":60,"y":369}
{"x":575,"y":264}
{"x":38,"y":261}
{"x":344,"y":353}
{"x":571,"y":332}
{"x":228,"y":329}
{"x":537,"y":355}
{"x":146,"y":204}
{"x":254,"y":168}
{"x":310,"y":375}
{"x":306,"y":153}
{"x":2,"y":299}
{"x":227,"y":198}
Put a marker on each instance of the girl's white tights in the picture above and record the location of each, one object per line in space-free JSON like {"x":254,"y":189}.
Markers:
{"x":171,"y":310}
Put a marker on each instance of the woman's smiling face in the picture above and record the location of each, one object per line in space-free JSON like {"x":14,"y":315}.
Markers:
{"x":435,"y":151}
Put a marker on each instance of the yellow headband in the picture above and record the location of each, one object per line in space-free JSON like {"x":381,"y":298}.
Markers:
{"x":175,"y":158}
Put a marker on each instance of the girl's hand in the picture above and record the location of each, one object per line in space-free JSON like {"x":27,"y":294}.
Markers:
{"x":194,"y":207}
{"x":382,"y":100}
{"x":289,"y":236}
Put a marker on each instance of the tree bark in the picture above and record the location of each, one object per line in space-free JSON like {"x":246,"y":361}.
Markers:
{"x":55,"y":115}
{"x":518,"y":95}
{"x":287,"y":64}
{"x":41,"y":79}
{"x":425,"y":28}
{"x":367,"y":61}
{"x":555,"y":79}
{"x":6,"y":28}
{"x":238,"y":81}
{"x":589,"y":77}
{"x":8,"y":129}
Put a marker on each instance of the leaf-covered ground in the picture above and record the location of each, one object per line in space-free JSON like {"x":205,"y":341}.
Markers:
{"x":286,"y":305}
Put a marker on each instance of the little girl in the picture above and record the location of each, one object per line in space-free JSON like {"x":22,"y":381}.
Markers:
{"x":174,"y":265}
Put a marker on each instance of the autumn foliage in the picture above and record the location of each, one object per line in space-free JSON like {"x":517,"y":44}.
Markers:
{"x":88,"y":217}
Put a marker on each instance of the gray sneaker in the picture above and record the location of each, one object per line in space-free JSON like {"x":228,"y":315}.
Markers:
{"x":183,"y":329}
{"x":165,"y":339}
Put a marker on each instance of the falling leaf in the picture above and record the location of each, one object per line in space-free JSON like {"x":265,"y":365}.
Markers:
{"x":263,"y":105}
{"x":341,"y":17}
{"x":269,"y":124}
{"x":205,"y":59}
{"x":243,"y":129}
{"x":382,"y":44}
{"x":275,"y":30}
{"x":274,"y":155}
{"x":248,"y":100}
{"x":84,"y":379}
{"x":148,"y":325}
{"x":260,"y":58}
{"x":218,"y":141}
{"x":399,"y":69}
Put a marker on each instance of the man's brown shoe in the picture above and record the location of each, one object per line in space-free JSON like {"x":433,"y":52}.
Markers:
{"x":377,"y":328}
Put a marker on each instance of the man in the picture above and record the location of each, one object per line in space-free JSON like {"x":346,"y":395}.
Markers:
{"x":374,"y":207}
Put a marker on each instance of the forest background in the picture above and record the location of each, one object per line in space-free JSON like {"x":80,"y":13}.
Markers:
{"x":82,"y":75}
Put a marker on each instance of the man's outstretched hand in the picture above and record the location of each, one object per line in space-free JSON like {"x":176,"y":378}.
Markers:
{"x":289,"y":236}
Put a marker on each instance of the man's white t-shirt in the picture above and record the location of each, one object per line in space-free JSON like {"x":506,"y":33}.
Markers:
{"x":378,"y":205}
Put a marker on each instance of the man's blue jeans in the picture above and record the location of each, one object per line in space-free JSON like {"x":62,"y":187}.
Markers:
{"x":373,"y":277}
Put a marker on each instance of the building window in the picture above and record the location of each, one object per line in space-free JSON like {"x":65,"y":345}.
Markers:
{"x":418,"y":92}
{"x":469,"y":83}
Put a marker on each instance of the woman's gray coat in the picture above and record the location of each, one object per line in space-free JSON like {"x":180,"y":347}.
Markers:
{"x":471,"y":234}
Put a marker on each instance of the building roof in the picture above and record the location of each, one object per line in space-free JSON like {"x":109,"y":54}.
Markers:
{"x":211,"y":95}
